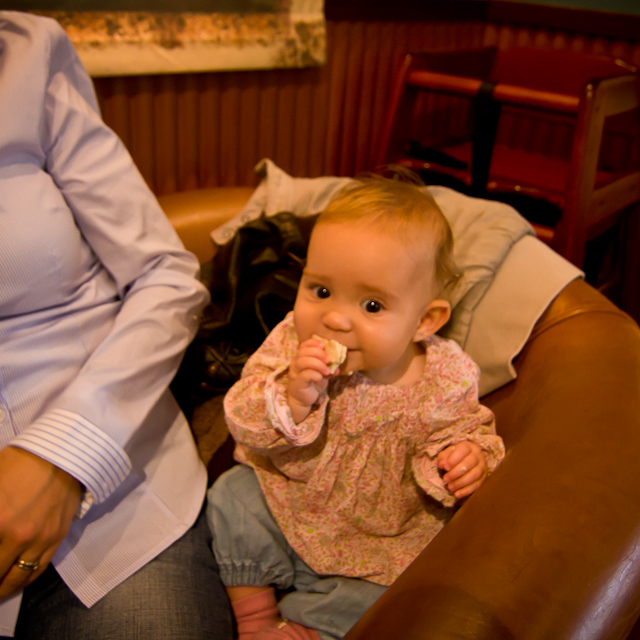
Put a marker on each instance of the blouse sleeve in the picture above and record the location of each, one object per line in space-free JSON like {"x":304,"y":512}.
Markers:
{"x":87,"y":429}
{"x":456,"y":415}
{"x":255,"y":407}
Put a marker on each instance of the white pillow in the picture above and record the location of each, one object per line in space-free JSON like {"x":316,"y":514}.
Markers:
{"x":278,"y":192}
{"x":530,"y":277}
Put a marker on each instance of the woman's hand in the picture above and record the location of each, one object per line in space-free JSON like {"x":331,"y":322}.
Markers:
{"x":308,"y":377}
{"x":37,"y":504}
{"x":465,"y":466}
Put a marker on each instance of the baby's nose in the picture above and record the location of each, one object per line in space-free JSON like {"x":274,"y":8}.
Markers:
{"x":337,"y":321}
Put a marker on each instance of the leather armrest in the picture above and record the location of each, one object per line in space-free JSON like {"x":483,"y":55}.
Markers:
{"x":549,"y":546}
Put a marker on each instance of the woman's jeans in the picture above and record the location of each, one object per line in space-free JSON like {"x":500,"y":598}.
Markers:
{"x":176,"y":596}
{"x":252,"y":551}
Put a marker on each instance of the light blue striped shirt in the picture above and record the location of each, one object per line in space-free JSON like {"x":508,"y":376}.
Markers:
{"x":98,"y":300}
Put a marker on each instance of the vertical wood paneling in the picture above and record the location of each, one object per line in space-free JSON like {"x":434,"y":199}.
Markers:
{"x":385,"y":64}
{"x":352,"y":99}
{"x":282,"y":153}
{"x":318,"y":119}
{"x":114,"y":107}
{"x":267,"y":116}
{"x":188,"y":119}
{"x":166,"y":133}
{"x":209,"y":129}
{"x":249,"y":123}
{"x":207,"y":125}
{"x":230,"y":127}
{"x":142,"y":126}
{"x":363,"y":129}
{"x":302,"y":127}
{"x":335,"y":99}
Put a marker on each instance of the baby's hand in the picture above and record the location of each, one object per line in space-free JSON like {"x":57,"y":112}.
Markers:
{"x":308,"y":377}
{"x":465,"y":468}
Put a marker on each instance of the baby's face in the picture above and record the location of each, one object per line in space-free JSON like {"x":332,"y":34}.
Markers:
{"x":364,"y":288}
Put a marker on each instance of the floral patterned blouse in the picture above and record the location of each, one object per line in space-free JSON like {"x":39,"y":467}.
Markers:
{"x":355,"y":486}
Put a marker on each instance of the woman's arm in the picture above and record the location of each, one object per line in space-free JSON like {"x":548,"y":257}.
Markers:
{"x":100,"y":411}
{"x":80,"y":443}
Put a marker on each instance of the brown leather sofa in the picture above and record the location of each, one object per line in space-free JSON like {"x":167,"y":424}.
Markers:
{"x":549,"y":547}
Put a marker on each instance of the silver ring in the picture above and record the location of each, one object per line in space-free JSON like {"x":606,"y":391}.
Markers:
{"x":27,"y":566}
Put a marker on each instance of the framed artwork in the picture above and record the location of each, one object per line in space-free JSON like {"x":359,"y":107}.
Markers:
{"x":175,"y":36}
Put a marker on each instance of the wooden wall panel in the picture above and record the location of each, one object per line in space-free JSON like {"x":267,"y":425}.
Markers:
{"x":209,"y":129}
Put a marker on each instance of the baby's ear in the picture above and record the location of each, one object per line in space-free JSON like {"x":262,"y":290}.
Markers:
{"x":434,"y":317}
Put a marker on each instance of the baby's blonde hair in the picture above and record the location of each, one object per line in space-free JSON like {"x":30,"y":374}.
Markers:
{"x":404,"y":208}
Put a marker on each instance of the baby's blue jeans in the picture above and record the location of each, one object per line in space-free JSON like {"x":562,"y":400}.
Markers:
{"x":252,"y":551}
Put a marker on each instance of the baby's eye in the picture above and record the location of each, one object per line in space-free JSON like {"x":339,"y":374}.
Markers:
{"x":372,"y":306}
{"x":320,"y":291}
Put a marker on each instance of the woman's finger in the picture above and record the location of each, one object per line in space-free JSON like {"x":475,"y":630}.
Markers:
{"x":26,"y":568}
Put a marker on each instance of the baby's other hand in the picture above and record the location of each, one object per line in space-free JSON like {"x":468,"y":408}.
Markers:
{"x":465,"y":468}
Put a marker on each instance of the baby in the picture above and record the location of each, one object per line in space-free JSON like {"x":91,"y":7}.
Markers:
{"x":348,"y":474}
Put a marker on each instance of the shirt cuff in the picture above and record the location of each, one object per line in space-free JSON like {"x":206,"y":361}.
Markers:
{"x":78,"y":447}
{"x":425,"y":471}
{"x":9,"y":610}
{"x":280,"y":415}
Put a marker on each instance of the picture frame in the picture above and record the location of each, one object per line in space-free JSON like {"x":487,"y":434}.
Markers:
{"x":260,"y":34}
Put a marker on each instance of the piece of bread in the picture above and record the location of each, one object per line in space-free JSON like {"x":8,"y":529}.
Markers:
{"x":336,"y":351}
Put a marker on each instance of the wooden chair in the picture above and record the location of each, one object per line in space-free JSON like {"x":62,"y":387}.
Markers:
{"x":572,"y":192}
